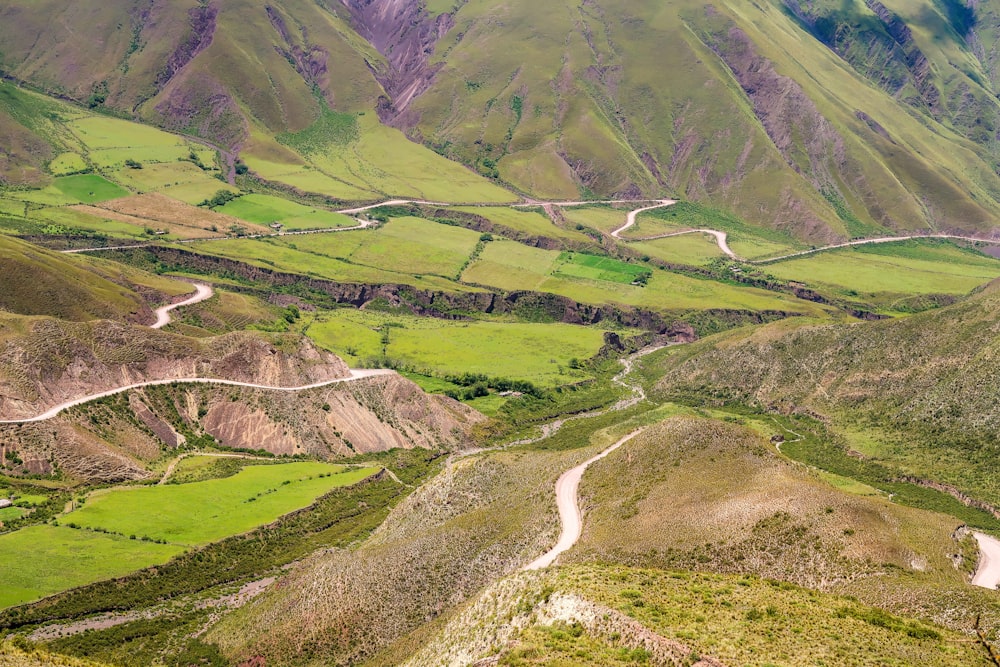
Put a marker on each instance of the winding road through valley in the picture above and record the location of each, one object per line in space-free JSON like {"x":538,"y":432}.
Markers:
{"x":987,"y":574}
{"x":721,"y":237}
{"x":569,"y":507}
{"x":201,"y":293}
{"x":52,"y":412}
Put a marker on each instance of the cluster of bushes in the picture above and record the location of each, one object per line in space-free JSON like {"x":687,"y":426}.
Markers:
{"x":220,"y":198}
{"x":478,"y":384}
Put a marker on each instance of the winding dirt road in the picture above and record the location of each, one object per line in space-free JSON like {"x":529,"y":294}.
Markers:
{"x":881,"y":239}
{"x":632,"y":215}
{"x":988,"y":572}
{"x":201,"y":292}
{"x":569,"y":506}
{"x":52,"y":412}
{"x":721,"y":238}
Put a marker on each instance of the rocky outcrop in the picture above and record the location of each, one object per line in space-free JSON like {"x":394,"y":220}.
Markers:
{"x":202,"y":21}
{"x":341,"y":420}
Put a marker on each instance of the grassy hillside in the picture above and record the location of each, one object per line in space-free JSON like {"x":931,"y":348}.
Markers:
{"x":41,"y":282}
{"x":917,"y":393}
{"x":827,"y":120}
{"x":755,"y":112}
{"x":14,"y":656}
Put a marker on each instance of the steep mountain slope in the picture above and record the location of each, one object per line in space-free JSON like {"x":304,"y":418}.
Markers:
{"x":117,"y":439}
{"x":827,"y":119}
{"x":207,"y":68}
{"x":751,"y":109}
{"x":919,"y":392}
{"x":47,"y":361}
{"x":40,"y":282}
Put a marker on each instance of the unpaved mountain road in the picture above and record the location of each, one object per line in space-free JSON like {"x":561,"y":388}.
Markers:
{"x":632,"y":215}
{"x":569,"y":507}
{"x":201,"y":293}
{"x":881,"y":239}
{"x":988,"y":573}
{"x":721,"y":238}
{"x":52,"y":412}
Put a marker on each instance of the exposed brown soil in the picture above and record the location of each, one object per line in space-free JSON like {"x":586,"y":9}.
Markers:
{"x":164,"y":213}
{"x":57,"y":361}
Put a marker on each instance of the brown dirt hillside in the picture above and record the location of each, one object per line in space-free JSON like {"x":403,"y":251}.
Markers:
{"x":115,"y":439}
{"x":44,"y":361}
{"x":173,"y":216}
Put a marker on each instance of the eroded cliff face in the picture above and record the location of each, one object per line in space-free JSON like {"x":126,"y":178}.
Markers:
{"x":56,"y":361}
{"x":403,"y":32}
{"x":115,"y":439}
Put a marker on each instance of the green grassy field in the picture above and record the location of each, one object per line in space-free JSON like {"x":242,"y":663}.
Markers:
{"x":265,"y":209}
{"x":746,"y":241}
{"x":89,"y":188}
{"x":180,"y":180}
{"x":67,"y":163}
{"x":594,"y":267}
{"x":527,"y":221}
{"x":602,"y":217}
{"x":511,"y":266}
{"x":539,"y":353}
{"x":203,"y":512}
{"x":41,"y":560}
{"x":367,"y":162}
{"x":906,"y":268}
{"x":410,"y":251}
{"x":692,"y":249}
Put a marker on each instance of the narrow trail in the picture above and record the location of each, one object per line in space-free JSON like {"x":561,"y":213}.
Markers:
{"x":201,"y":293}
{"x":881,"y":239}
{"x":988,"y":573}
{"x":569,"y":506}
{"x":52,"y":412}
{"x":638,"y":395}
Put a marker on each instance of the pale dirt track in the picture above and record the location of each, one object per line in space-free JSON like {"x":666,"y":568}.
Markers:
{"x":569,"y":507}
{"x":721,"y":238}
{"x":988,"y":572}
{"x":52,"y":412}
{"x":201,"y":293}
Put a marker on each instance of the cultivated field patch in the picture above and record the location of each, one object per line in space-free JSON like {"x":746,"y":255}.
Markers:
{"x":203,"y":512}
{"x":542,"y":353}
{"x":267,"y":209}
{"x":88,"y":188}
{"x":906,"y":268}
{"x":41,"y":560}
